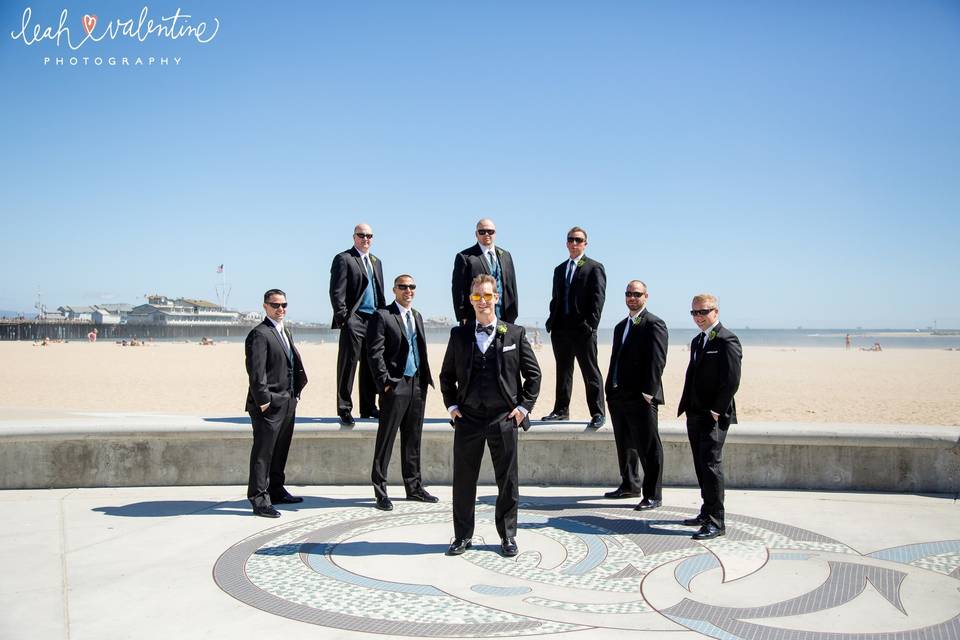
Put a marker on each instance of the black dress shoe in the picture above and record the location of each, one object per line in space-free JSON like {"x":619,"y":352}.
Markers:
{"x":508,"y":547}
{"x":646,"y":504}
{"x":556,"y":416}
{"x":459,"y":545}
{"x":266,"y":512}
{"x":373,"y":416}
{"x":597,"y":421}
{"x":384,"y":504}
{"x":287,"y":499}
{"x":345,"y":418}
{"x":620,"y":492}
{"x":698,"y":521}
{"x":708,"y":531}
{"x":423,"y":496}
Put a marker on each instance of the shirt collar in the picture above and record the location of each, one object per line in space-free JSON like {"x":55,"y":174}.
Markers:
{"x":578,"y":258}
{"x":276,"y":325}
{"x":711,"y":328}
{"x":484,"y":250}
{"x":633,"y":315}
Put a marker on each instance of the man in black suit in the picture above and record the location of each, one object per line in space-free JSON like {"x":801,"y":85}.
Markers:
{"x":579,"y":290}
{"x":356,"y":291}
{"x":490,"y":380}
{"x":398,"y":359}
{"x":634,"y":392}
{"x":277,"y":377}
{"x":484,"y":257}
{"x":713,"y":376}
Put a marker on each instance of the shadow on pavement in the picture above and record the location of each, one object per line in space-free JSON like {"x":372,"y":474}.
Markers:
{"x":167,"y":508}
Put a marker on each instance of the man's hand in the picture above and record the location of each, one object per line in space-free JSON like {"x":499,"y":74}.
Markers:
{"x":517,"y":416}
{"x":456,"y":414}
{"x":716,"y":416}
{"x":387,"y":388}
{"x":263,"y":407}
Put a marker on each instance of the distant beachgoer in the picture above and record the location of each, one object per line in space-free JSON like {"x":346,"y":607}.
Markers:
{"x":847,"y":342}
{"x":205,"y":341}
{"x":92,"y":336}
{"x":876,"y":347}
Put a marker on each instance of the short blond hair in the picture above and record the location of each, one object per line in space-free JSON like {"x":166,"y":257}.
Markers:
{"x":483,"y":279}
{"x":706,"y":298}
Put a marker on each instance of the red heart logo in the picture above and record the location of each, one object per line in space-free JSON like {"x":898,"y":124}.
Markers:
{"x":89,"y":22}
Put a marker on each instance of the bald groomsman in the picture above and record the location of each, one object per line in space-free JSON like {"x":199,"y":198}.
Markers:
{"x":398,"y":358}
{"x":579,"y":291}
{"x":485,"y":257}
{"x":713,"y":377}
{"x":634,"y":393}
{"x":356,"y":291}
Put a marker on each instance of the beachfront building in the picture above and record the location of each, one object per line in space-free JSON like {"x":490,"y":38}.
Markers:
{"x":76,"y":314}
{"x":161,"y":310}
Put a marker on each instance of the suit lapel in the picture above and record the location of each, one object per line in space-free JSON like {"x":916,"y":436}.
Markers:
{"x":484,"y":263}
{"x":276,"y":336}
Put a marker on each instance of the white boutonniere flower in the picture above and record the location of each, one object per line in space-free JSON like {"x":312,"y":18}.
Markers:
{"x":501,"y":328}
{"x":581,"y":262}
{"x":636,"y":320}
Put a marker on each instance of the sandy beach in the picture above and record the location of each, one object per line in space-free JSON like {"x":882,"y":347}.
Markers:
{"x":902,"y":386}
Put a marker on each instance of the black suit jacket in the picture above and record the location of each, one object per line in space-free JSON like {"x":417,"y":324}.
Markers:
{"x":641,"y":359}
{"x":470,"y":263}
{"x":387,"y":347}
{"x":588,"y":291}
{"x":519,"y":372}
{"x":714,"y":378}
{"x":268,"y":367}
{"x":348,"y":281}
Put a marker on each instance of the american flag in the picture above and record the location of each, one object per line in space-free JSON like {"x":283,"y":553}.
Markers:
{"x":220,"y":269}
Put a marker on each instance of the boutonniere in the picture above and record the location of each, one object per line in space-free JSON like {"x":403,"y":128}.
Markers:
{"x":373,"y":259}
{"x":636,"y":320}
{"x":581,"y":262}
{"x":501,"y":328}
{"x":712,"y":335}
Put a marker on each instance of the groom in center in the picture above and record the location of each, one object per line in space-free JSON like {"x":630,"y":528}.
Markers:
{"x":490,"y":380}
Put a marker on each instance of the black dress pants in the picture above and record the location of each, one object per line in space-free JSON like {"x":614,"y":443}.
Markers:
{"x":272,"y":434}
{"x":706,"y":442}
{"x":353,"y":351}
{"x":635,"y":428}
{"x":401,"y":409}
{"x":500,"y":434}
{"x":570,"y":344}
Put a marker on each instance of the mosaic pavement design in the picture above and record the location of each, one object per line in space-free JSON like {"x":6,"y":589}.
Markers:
{"x":586,"y":566}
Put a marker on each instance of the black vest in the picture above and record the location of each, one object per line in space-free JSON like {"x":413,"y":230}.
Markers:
{"x":483,"y":395}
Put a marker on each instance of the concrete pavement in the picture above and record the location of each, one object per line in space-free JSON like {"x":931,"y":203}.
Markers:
{"x":191,"y":562}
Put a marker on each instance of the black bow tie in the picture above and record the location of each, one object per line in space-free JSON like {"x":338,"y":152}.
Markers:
{"x":487,"y":330}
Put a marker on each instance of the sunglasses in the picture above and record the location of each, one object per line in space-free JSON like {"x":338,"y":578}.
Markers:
{"x":278,"y":305}
{"x":404,"y":287}
{"x":573,"y":240}
{"x":486,"y":232}
{"x":476,"y":297}
{"x":364,"y":236}
{"x":701,"y":312}
{"x":634,"y":294}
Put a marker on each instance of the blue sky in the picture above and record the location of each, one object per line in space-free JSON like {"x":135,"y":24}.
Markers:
{"x":799,"y":159}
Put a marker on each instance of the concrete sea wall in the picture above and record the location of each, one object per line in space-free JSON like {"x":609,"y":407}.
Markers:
{"x":139,"y":450}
